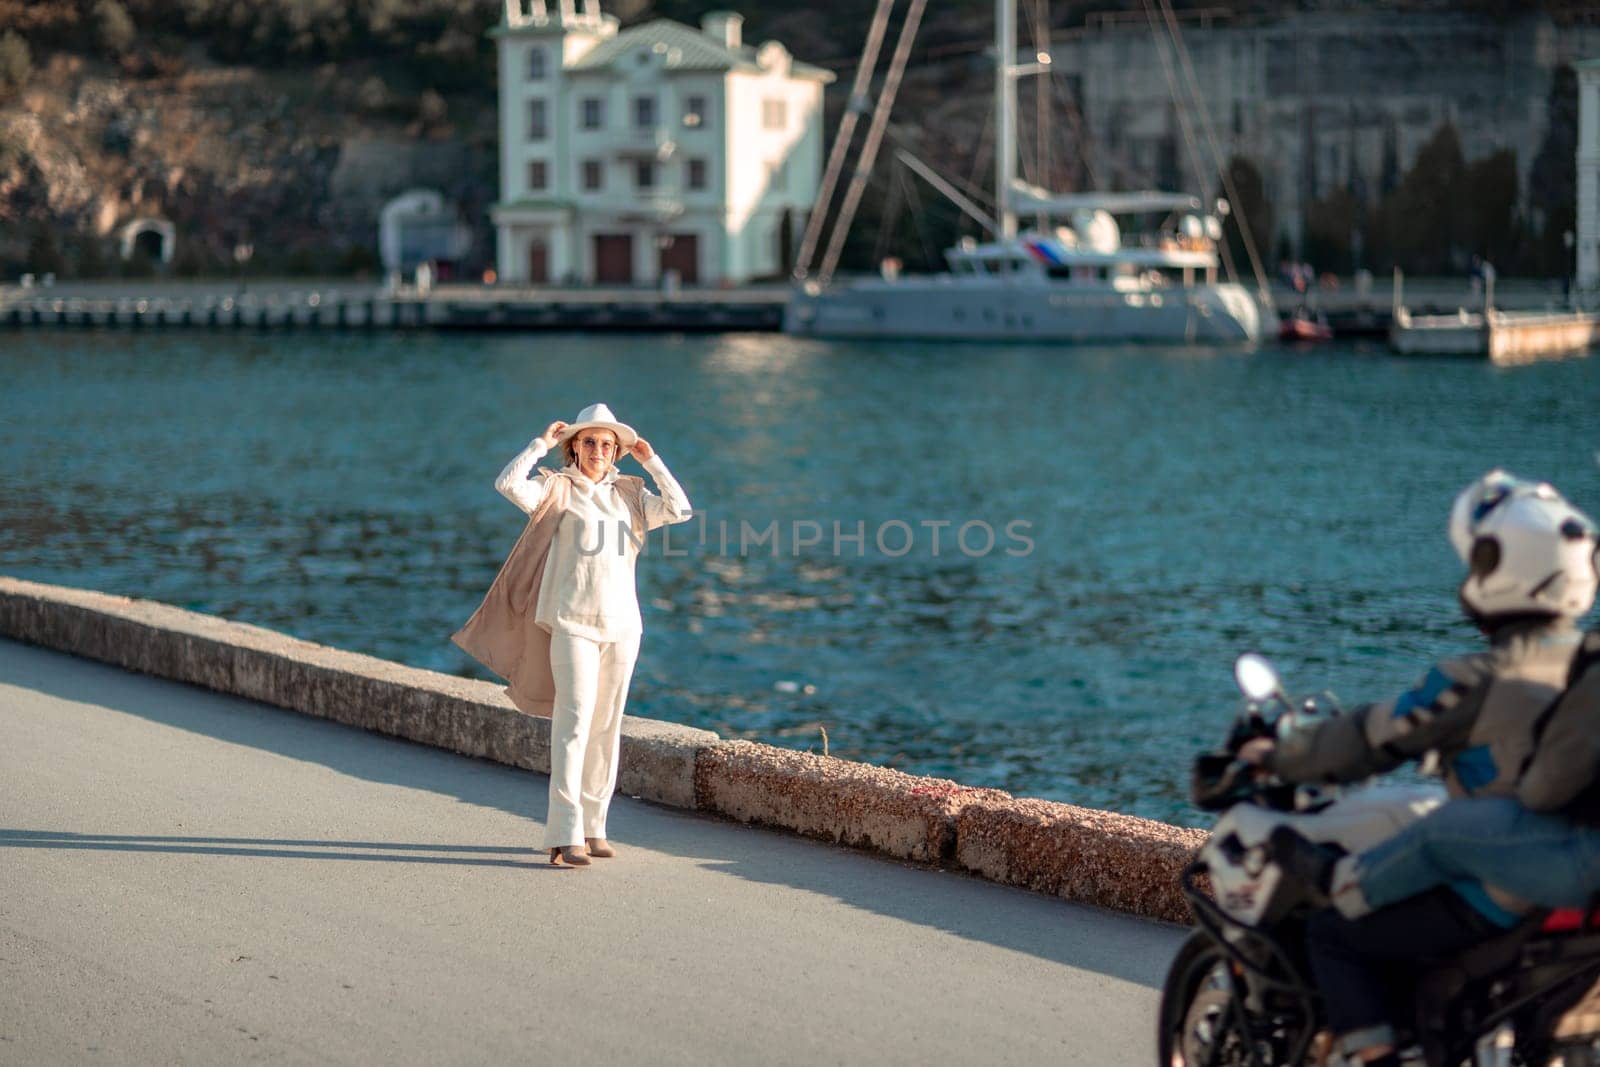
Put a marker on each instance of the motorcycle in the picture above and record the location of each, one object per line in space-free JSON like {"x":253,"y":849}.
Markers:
{"x":1240,"y":990}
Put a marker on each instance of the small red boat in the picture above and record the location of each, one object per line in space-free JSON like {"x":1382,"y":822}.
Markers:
{"x":1302,"y":326}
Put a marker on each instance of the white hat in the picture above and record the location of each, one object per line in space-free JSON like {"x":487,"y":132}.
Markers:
{"x":600,"y":415}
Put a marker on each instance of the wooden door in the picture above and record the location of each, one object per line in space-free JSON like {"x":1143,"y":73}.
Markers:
{"x":682,"y":254}
{"x":613,"y":258}
{"x":538,"y":263}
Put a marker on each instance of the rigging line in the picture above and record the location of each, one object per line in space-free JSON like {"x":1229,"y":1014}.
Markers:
{"x":975,"y":193}
{"x":1180,"y":105}
{"x":1177,"y":98}
{"x":1080,"y":134}
{"x":985,"y":141}
{"x":1024,"y":162}
{"x":1041,"y":100}
{"x":891,"y":215}
{"x":1227,"y":259}
{"x":951,"y":193}
{"x":869,"y":147}
{"x":963,"y":47}
{"x":1226,"y":173}
{"x":914,"y":199}
{"x":1031,"y":172}
{"x":841,"y":139}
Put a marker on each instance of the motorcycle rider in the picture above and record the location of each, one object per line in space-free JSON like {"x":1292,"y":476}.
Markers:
{"x":1530,"y":576}
{"x":1541,"y":845}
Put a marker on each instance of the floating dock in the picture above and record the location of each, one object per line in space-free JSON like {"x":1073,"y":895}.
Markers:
{"x":1503,"y":337}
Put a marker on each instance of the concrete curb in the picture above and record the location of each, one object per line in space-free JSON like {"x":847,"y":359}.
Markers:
{"x":1093,"y":857}
{"x":837,"y":800}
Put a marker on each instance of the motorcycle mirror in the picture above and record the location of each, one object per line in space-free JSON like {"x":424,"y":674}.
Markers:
{"x":1257,"y":678}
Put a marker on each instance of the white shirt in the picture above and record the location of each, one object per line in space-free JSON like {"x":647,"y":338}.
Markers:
{"x":587,"y":588}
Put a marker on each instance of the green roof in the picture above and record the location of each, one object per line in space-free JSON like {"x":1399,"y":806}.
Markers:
{"x":687,"y":50}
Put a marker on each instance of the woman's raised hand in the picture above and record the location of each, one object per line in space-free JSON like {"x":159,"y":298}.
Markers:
{"x":552,"y":432}
{"x":641,"y":450}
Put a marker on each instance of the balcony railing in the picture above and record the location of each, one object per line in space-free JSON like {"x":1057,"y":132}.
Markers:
{"x":655,"y":141}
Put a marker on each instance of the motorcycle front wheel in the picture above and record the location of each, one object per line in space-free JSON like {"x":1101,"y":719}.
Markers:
{"x":1201,"y":1022}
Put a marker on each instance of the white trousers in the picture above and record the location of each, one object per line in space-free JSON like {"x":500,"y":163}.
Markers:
{"x":585,"y":733}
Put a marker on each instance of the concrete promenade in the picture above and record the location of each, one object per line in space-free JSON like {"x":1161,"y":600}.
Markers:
{"x":187,"y":876}
{"x":348,"y":304}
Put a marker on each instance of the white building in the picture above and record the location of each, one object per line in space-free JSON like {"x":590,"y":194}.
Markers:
{"x":1588,"y":235}
{"x":661,"y":148}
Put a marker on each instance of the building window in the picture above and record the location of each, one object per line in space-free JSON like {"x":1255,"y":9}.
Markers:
{"x":774,"y":114}
{"x":778,"y":182}
{"x":594,"y":175}
{"x":697,"y":174}
{"x":594,"y":113}
{"x":536,"y":64}
{"x":644,"y":112}
{"x":537,"y":129}
{"x":694,"y":111}
{"x":538,"y":175}
{"x":644,"y":174}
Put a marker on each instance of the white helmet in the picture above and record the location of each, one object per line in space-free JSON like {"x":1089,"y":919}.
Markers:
{"x":1527,"y":550}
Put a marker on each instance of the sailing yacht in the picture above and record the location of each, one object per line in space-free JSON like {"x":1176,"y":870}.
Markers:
{"x":1079,"y":278}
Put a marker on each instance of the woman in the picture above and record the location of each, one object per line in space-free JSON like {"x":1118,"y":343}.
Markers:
{"x":561,"y":621}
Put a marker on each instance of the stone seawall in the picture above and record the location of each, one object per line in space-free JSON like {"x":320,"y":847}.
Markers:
{"x":1079,"y":854}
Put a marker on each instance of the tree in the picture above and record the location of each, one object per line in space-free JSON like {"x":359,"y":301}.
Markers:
{"x":114,"y":30}
{"x":1248,"y":199}
{"x":91,"y":258}
{"x":191,"y":261}
{"x":1168,"y":173}
{"x":1425,"y":214}
{"x":16,"y":64}
{"x":44,"y":255}
{"x":1389,"y":170}
{"x":432,"y":111}
{"x":1330,"y":228}
{"x":360,"y":260}
{"x":1490,"y":227}
{"x":139,"y":265}
{"x":1553,"y":178}
{"x":372,"y":96}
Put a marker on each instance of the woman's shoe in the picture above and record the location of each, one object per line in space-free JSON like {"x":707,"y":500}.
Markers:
{"x":598,"y":847}
{"x":572,"y":854}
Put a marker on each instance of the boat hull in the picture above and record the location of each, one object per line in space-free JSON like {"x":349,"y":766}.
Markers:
{"x":1209,"y":314}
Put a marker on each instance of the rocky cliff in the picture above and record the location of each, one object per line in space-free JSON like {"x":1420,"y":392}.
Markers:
{"x":295,"y":163}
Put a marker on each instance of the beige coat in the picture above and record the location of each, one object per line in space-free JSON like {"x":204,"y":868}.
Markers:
{"x":502,"y":634}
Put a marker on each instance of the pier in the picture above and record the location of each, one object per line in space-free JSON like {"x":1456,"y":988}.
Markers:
{"x":342,"y":306}
{"x":285,"y":306}
{"x":1523,"y":338}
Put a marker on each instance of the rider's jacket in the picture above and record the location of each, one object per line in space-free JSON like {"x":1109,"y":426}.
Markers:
{"x":1564,"y":771}
{"x":1478,"y":713}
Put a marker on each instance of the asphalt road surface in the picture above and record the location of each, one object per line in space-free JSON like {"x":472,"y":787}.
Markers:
{"x":187,"y":877}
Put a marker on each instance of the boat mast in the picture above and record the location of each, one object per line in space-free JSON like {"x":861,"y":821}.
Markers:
{"x":1005,"y":95}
